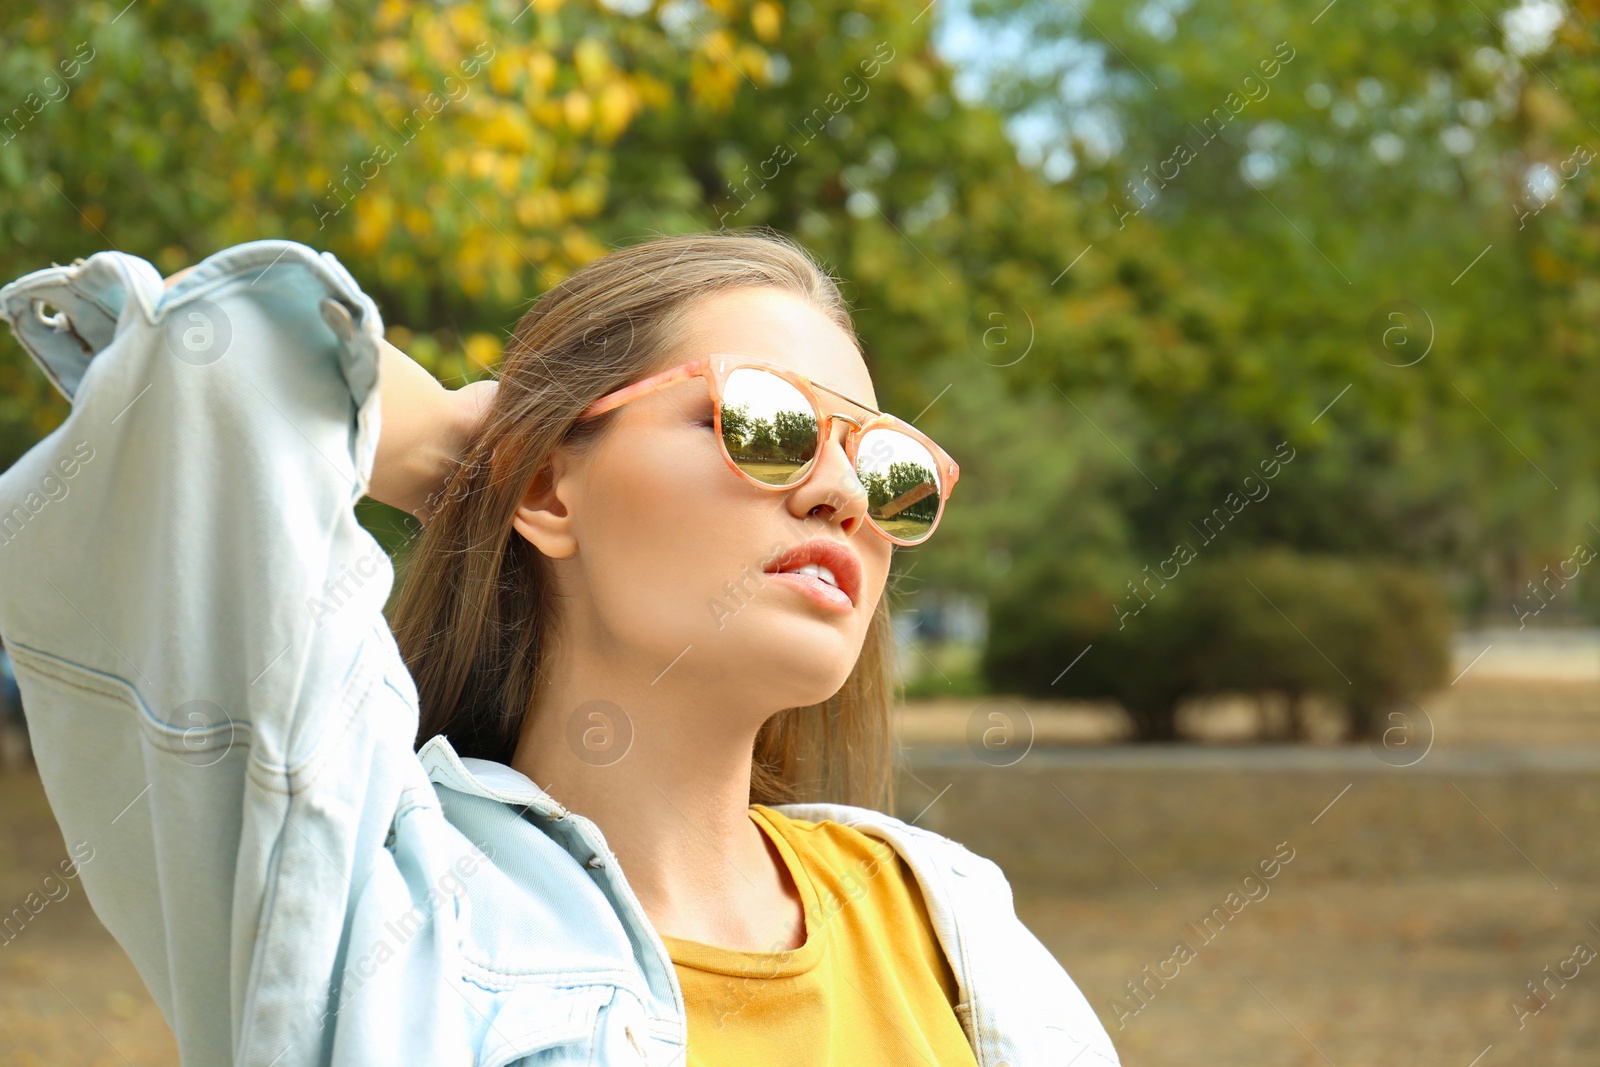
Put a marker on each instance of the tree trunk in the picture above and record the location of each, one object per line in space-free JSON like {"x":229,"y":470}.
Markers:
{"x":1154,"y":722}
{"x":1297,"y":717}
{"x":1360,"y":720}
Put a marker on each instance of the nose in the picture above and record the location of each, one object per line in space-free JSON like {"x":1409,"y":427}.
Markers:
{"x":833,"y":491}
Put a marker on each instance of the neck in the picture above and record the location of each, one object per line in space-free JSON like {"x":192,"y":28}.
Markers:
{"x":668,"y":783}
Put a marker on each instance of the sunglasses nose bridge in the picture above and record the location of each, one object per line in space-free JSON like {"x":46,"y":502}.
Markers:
{"x":851,"y":436}
{"x":855,"y":424}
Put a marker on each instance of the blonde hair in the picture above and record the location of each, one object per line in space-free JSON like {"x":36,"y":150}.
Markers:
{"x":474,"y":616}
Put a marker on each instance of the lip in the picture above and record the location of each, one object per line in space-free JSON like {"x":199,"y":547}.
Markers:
{"x":829,"y":553}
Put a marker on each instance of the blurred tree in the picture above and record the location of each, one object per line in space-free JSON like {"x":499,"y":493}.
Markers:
{"x":1316,"y":166}
{"x":1365,"y":635}
{"x":454,"y":157}
{"x":1108,"y":333}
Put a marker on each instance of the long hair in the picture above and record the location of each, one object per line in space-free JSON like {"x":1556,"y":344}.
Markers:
{"x":475,"y":615}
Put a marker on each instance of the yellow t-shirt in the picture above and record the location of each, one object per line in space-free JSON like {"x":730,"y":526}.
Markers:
{"x":870,"y":986}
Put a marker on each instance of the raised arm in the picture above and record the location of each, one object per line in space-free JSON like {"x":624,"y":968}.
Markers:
{"x":221,"y":718}
{"x":426,"y":427}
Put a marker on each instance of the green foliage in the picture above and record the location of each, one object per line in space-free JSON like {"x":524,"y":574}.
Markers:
{"x":1310,"y":167}
{"x":1365,"y":635}
{"x":455,"y":158}
{"x":1106,"y":356}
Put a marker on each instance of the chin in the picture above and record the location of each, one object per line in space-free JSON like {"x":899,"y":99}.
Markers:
{"x":810,"y":662}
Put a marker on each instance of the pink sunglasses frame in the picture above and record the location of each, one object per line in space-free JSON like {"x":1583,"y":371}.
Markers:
{"x":715,"y":369}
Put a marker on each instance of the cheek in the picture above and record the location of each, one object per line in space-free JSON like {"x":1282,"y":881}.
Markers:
{"x":875,"y":561}
{"x":666,"y":527}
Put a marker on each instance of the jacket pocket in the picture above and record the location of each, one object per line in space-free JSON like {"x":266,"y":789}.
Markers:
{"x":528,"y":1020}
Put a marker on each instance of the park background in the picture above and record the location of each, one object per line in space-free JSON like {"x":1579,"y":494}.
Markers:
{"x":1265,"y":335}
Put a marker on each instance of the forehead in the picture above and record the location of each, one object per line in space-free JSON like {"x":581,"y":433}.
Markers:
{"x":779,"y":327}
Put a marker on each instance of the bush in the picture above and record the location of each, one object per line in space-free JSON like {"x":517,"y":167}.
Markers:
{"x":1041,"y":625}
{"x":1364,"y":634}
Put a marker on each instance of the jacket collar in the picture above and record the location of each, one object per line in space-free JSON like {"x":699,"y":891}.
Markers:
{"x":485,"y":778}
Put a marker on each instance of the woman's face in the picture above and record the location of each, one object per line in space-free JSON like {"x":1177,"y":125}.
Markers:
{"x":658,"y":548}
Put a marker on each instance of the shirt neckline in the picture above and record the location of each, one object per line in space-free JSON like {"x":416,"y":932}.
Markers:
{"x":780,"y":964}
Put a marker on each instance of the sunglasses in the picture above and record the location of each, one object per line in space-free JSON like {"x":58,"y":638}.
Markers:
{"x":770,"y":427}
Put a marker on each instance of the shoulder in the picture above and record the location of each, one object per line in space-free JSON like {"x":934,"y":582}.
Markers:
{"x":1017,"y":999}
{"x":921,"y":847}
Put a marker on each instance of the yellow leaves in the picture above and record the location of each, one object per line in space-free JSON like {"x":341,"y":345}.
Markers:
{"x":296,"y":135}
{"x":766,"y":18}
{"x":502,"y":75}
{"x":1545,"y":109}
{"x":548,"y":114}
{"x":508,"y":175}
{"x":542,"y":72}
{"x":1549,"y":267}
{"x":578,"y":110}
{"x":470,"y":261}
{"x":539,"y":209}
{"x":586,"y":197}
{"x":718,"y":43}
{"x":914,"y":77}
{"x":390,"y":15}
{"x":467,"y":22}
{"x":592,"y":62}
{"x":418,"y":222}
{"x":508,"y":129}
{"x":579,"y":247}
{"x":714,"y":85}
{"x":721,"y":64}
{"x":753,"y":61}
{"x":47,"y":416}
{"x":653,"y":92}
{"x":437,"y":40}
{"x":619,"y":102}
{"x":374,"y":218}
{"x":391,"y":54}
{"x":481,"y":163}
{"x":214,"y":100}
{"x":483,"y":349}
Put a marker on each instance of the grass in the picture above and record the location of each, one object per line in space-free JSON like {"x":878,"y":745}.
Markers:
{"x":946,"y":669}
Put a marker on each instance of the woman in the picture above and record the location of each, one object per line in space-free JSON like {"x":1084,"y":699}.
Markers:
{"x":649,"y":589}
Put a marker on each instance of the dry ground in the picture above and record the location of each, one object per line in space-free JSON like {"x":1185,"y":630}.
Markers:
{"x":1414,"y":911}
{"x":1408,"y":921}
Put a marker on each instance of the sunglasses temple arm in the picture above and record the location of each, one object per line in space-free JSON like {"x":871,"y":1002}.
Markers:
{"x":654,"y":383}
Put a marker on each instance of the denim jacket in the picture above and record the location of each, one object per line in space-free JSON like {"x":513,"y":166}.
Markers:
{"x":225,"y":729}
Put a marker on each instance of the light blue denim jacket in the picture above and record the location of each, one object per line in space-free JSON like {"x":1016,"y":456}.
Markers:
{"x":224,"y":725}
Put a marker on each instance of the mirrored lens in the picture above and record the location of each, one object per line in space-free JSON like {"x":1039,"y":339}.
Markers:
{"x":902,"y":481}
{"x":768,"y":426}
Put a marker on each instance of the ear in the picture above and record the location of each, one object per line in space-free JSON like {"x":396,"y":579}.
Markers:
{"x":544,"y":515}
